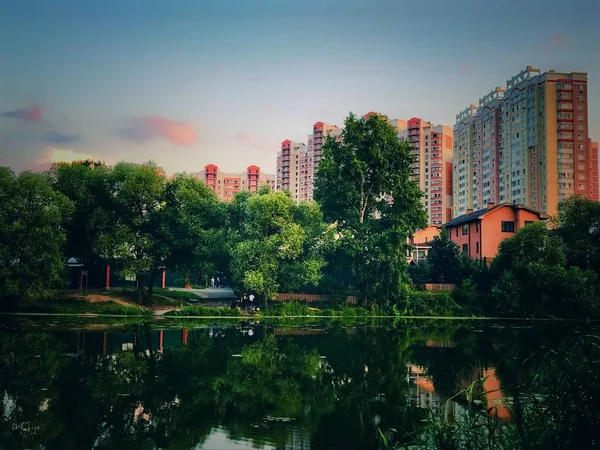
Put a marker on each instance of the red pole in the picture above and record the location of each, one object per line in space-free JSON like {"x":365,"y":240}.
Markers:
{"x":164,"y":278}
{"x":185,"y":336}
{"x":160,"y":340}
{"x":107,"y":276}
{"x":80,"y":279}
{"x":105,"y":343}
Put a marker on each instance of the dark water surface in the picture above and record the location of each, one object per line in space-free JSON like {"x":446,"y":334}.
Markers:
{"x":252,"y":385}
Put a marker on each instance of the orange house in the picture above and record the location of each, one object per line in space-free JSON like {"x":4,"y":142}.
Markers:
{"x":479,"y":233}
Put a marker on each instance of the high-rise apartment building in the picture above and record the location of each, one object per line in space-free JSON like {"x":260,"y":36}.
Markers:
{"x":320,"y":131}
{"x":527,"y":144}
{"x":295,"y":170}
{"x":594,"y":169}
{"x":226,"y":185}
{"x":432,"y":167}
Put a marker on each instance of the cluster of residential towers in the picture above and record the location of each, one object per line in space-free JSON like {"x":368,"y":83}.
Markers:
{"x":526,"y":144}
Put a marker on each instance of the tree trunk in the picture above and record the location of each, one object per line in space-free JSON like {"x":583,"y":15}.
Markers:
{"x":151,"y":281}
{"x":140,"y":288}
{"x":362,"y":289}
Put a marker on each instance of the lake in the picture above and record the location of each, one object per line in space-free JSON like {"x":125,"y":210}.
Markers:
{"x":278,"y":385}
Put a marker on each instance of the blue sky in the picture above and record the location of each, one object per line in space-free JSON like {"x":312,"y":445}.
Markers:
{"x":188,"y":82}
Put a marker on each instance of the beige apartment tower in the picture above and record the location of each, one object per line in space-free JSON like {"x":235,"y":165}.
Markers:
{"x":526,"y":144}
{"x":226,"y":185}
{"x":432,"y":149}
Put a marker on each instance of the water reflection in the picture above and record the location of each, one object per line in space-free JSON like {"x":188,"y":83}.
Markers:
{"x":252,"y":385}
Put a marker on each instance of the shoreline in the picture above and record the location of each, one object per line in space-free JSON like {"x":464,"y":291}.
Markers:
{"x":162,"y":317}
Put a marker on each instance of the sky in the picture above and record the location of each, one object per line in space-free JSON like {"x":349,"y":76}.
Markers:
{"x":191,"y":82}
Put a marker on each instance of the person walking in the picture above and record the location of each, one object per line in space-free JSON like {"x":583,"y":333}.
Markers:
{"x":212,"y":281}
{"x":251,"y":298}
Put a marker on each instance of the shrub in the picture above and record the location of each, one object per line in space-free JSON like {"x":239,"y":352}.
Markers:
{"x":425,"y":303}
{"x":203,"y":311}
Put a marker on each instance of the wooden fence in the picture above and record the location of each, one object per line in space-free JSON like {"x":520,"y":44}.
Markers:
{"x":439,"y":287}
{"x":309,"y":298}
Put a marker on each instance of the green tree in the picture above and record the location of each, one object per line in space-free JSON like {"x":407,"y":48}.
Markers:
{"x":579,"y":229}
{"x":191,"y":228}
{"x":137,"y":195}
{"x":444,"y":259}
{"x":86,"y":185}
{"x":532,"y":278}
{"x":279,"y":245}
{"x":32,"y":235}
{"x":364,"y":185}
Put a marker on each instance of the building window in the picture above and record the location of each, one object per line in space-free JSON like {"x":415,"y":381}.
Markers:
{"x":465,"y":248}
{"x":508,"y":227}
{"x":477,"y":227}
{"x":456,"y":231}
{"x":477,"y":247}
{"x":465,"y":229}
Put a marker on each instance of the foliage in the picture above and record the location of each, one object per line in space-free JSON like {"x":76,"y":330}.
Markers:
{"x":87,"y":186}
{"x":444,"y":259}
{"x":192,"y":227}
{"x":532,"y":278}
{"x":203,"y":311}
{"x":279,"y":244}
{"x":81,"y":306}
{"x":32,"y":236}
{"x":426,"y":303}
{"x":579,"y":229}
{"x":364,"y":186}
{"x":137,"y":195}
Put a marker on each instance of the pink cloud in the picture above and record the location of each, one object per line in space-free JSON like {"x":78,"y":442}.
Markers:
{"x":249,"y":139}
{"x":152,"y":127}
{"x":559,"y":38}
{"x":270,"y":109}
{"x":29,"y":113}
{"x":465,"y":68}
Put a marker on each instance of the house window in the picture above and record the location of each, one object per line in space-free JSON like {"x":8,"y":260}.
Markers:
{"x":477,"y":247}
{"x":465,"y":229}
{"x":477,"y":227}
{"x":456,"y":231}
{"x":508,"y":227}
{"x":465,"y":248}
{"x":528,"y":222}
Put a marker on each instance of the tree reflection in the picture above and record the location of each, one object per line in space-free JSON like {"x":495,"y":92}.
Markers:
{"x":335,"y":389}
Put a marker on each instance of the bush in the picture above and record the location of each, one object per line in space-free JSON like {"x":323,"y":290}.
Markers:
{"x":76,"y":306}
{"x":425,"y":303}
{"x":203,"y":311}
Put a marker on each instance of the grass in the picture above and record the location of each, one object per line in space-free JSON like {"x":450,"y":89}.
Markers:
{"x":203,"y":311}
{"x":78,"y":306}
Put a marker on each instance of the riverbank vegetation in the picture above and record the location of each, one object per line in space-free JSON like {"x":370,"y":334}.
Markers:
{"x":352,"y":240}
{"x":545,"y":270}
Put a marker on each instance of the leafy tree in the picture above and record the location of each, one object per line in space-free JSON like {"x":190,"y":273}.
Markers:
{"x":137,"y":191}
{"x":532,"y":278}
{"x":444,"y":258}
{"x":86,"y":185}
{"x":191,"y":228}
{"x":579,"y":229}
{"x":279,"y":244}
{"x":364,"y":185}
{"x":32,"y":234}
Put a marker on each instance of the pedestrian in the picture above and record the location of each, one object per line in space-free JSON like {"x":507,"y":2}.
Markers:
{"x":212,"y":281}
{"x":218,"y":282}
{"x":251,"y":298}
{"x":245,"y":301}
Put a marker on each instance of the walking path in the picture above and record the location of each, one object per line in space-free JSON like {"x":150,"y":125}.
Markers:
{"x":209,"y":293}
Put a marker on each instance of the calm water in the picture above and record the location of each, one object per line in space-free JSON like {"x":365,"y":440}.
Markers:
{"x":250,"y":385}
